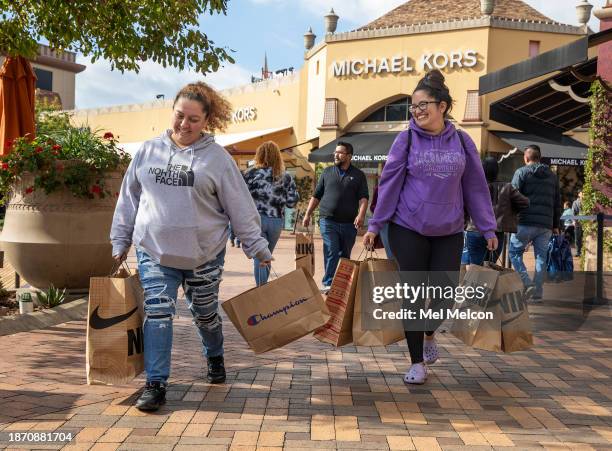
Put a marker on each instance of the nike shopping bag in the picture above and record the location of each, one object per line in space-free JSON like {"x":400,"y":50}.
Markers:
{"x":115,"y":342}
{"x":304,"y":252}
{"x":279,"y":312}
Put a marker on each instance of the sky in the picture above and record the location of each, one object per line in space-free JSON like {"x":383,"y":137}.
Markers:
{"x":252,"y":28}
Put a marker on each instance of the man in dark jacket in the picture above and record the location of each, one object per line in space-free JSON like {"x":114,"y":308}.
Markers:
{"x":537,"y":222}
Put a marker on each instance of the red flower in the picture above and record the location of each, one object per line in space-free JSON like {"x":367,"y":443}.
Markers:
{"x":55,"y":152}
{"x":56,"y":147}
{"x":29,"y":190}
{"x":39,"y":149}
{"x":5,"y":166}
{"x":108,"y":135}
{"x":96,"y":189}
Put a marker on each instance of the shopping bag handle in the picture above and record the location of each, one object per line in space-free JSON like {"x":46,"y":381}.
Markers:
{"x":369,"y":253}
{"x":117,"y":266}
{"x":298,"y":215}
{"x":271,"y":270}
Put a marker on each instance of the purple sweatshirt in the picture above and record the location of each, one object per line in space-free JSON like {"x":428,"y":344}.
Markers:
{"x":426,"y":189}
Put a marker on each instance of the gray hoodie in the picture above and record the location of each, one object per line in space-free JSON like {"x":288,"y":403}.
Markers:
{"x":175,"y":204}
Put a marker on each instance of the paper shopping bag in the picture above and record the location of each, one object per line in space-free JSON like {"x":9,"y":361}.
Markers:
{"x":279,"y":312}
{"x":515,"y":324}
{"x":370,"y":275}
{"x":471,"y":329}
{"x":304,"y":252}
{"x":340,"y":302}
{"x":115,"y":342}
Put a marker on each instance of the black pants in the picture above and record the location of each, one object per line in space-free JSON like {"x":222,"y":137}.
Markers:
{"x":415,"y":252}
{"x":578,"y":233}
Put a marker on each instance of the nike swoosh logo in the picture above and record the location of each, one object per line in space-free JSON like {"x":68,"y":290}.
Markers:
{"x":97,"y":322}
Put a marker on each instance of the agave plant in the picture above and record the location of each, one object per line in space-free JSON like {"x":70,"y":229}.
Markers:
{"x":52,"y":297}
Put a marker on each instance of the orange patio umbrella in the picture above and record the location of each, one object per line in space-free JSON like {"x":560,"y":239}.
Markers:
{"x":17,"y":95}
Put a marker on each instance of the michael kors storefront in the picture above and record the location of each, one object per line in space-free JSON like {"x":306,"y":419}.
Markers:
{"x":356,"y":85}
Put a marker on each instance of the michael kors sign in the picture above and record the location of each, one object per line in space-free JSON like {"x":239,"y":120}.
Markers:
{"x":399,"y":64}
{"x":248,"y":113}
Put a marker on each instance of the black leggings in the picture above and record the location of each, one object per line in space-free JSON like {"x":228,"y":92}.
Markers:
{"x":416,"y":252}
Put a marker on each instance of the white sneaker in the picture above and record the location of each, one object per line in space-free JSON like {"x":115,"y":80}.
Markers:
{"x":430,"y":351}
{"x":417,"y":374}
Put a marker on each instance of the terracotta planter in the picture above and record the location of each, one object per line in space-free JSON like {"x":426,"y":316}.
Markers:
{"x":59,"y":239}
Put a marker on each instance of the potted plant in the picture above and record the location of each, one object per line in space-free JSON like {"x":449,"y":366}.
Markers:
{"x":60,"y":191}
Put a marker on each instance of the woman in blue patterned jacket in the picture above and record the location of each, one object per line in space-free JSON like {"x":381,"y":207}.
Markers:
{"x":272,"y":189}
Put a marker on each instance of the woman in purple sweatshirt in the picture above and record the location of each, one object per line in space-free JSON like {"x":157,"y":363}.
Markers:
{"x":433,"y":172}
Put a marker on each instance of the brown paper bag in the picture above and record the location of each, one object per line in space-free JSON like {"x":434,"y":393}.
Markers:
{"x":115,"y":341}
{"x":304,"y":252}
{"x":340,"y":302}
{"x":515,"y":325}
{"x":510,"y":329}
{"x":386,"y":336}
{"x":480,"y":333}
{"x":279,"y":312}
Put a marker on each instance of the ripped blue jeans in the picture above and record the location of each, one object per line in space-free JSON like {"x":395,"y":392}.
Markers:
{"x":160,"y":285}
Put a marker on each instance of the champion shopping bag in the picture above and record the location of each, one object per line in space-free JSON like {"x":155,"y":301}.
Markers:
{"x":115,"y":341}
{"x":340,"y":302}
{"x":279,"y":312}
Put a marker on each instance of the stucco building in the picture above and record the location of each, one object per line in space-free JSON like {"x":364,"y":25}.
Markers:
{"x":357,"y":84}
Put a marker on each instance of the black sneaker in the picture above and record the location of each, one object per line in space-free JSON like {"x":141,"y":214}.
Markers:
{"x":153,"y":396}
{"x":216,"y":370}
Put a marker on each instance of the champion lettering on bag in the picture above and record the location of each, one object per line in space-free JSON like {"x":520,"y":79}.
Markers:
{"x":259,"y":317}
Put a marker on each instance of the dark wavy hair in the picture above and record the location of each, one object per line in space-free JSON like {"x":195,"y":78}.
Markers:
{"x":433,"y":84}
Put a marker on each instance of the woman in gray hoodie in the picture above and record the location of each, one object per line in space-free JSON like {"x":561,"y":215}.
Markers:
{"x":178,"y":196}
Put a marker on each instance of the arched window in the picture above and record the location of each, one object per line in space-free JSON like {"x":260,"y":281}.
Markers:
{"x":396,"y":111}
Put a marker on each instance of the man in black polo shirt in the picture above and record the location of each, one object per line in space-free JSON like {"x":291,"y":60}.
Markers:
{"x":342,"y":197}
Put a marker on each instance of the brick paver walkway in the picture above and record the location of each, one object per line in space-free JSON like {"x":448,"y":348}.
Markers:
{"x":309,"y":395}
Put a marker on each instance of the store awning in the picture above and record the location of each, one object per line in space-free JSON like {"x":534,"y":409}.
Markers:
{"x":568,"y":152}
{"x":235,"y":138}
{"x":550,"y":107}
{"x":223,"y":140}
{"x":554,"y":60}
{"x":553,"y":106}
{"x":367,"y":147}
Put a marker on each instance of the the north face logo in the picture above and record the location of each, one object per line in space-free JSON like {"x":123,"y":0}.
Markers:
{"x":173,"y":175}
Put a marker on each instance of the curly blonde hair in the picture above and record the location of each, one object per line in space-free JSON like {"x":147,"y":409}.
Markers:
{"x":218,"y":110}
{"x":268,"y":155}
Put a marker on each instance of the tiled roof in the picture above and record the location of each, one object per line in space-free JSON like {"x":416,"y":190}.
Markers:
{"x":429,"y":11}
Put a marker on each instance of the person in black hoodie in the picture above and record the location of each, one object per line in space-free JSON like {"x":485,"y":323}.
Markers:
{"x":537,"y":222}
{"x":507,"y":203}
